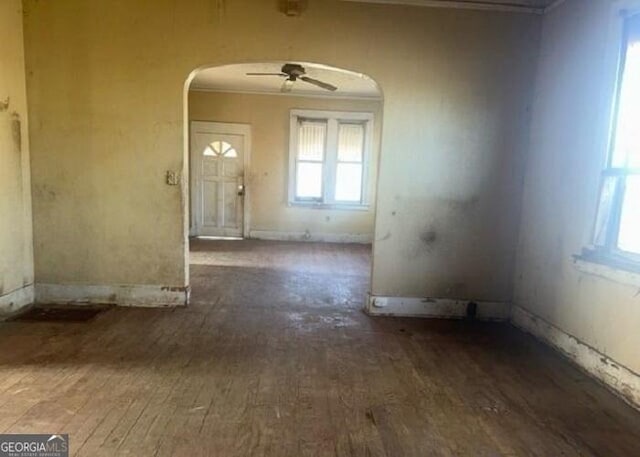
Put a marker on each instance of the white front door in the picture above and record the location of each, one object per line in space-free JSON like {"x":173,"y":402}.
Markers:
{"x":217,"y":178}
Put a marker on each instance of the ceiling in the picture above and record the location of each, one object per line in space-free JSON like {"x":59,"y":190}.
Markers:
{"x":529,"y":6}
{"x":233,"y":78}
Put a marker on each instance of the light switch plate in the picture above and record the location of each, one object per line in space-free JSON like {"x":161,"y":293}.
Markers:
{"x":173,"y":178}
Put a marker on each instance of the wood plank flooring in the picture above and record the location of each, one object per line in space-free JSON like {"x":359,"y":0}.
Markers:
{"x":275,"y":358}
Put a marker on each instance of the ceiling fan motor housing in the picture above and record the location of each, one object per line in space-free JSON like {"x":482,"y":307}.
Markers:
{"x":293,"y":70}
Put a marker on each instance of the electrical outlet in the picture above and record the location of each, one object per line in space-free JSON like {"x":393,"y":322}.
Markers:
{"x":379,"y":302}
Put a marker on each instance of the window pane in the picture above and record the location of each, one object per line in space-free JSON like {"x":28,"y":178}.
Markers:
{"x":350,"y":142}
{"x":629,"y":238}
{"x":605,"y":208}
{"x":349,"y":182}
{"x":309,"y":180}
{"x":311,"y":140}
{"x":626,"y":151}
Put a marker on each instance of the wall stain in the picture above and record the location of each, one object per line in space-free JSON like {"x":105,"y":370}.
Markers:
{"x":44,"y":193}
{"x":429,"y":238}
{"x":385,"y":238}
{"x":219,"y":9}
{"x":16,"y":130}
{"x":371,"y":417}
{"x":465,"y":205}
{"x":283,"y":6}
{"x":4,"y":105}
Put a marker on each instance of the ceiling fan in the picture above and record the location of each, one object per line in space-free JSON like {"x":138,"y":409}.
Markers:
{"x":293,"y":72}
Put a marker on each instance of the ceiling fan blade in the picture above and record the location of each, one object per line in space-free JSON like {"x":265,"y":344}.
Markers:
{"x":321,"y":84}
{"x":287,"y":85}
{"x":266,"y":74}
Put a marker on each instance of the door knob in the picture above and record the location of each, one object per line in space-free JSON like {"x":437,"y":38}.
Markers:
{"x":240,"y":190}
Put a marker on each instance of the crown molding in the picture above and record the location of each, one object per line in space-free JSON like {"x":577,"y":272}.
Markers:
{"x":504,"y":6}
{"x":333,"y":95}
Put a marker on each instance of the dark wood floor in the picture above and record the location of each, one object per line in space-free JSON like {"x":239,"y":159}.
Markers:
{"x":275,"y":358}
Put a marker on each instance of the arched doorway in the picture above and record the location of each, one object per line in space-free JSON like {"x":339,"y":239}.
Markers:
{"x":285,"y":153}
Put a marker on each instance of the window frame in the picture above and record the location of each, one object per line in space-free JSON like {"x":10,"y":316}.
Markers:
{"x":608,"y":252}
{"x":330,"y":157}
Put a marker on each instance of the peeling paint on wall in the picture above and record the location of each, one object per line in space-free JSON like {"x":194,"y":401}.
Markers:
{"x":16,"y":241}
{"x":617,"y":378}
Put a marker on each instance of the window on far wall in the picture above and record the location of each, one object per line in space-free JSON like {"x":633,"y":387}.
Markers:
{"x":617,"y":227}
{"x":328,"y":158}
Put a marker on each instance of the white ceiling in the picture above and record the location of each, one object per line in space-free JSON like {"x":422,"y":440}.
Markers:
{"x":233,"y":78}
{"x":530,"y":6}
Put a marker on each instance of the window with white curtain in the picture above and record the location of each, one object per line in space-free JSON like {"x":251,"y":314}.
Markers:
{"x":617,"y":228}
{"x":329,"y":156}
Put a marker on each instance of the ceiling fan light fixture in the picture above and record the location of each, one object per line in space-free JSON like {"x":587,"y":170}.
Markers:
{"x":287,"y":85}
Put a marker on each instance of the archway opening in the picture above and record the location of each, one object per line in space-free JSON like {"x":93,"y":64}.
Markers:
{"x":283,"y":164}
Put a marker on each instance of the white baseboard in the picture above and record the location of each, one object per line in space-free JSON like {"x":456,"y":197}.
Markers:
{"x":616,"y":377}
{"x":16,"y":300}
{"x":440,"y":308}
{"x":121,"y":295}
{"x":313,"y":237}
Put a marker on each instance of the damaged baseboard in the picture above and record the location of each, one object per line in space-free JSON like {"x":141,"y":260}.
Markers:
{"x":437,"y":308}
{"x":312,"y":237}
{"x":616,"y":377}
{"x":121,"y":295}
{"x":16,"y":300}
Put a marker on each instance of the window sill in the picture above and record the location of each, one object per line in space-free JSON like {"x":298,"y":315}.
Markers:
{"x":329,"y":206}
{"x":606,"y":269}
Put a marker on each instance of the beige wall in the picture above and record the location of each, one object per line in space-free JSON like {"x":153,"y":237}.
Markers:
{"x":568,"y":148}
{"x":106,"y":104}
{"x":16,"y":248}
{"x":268,"y":116}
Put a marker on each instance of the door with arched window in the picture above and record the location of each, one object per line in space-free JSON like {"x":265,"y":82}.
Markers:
{"x":217,"y":178}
